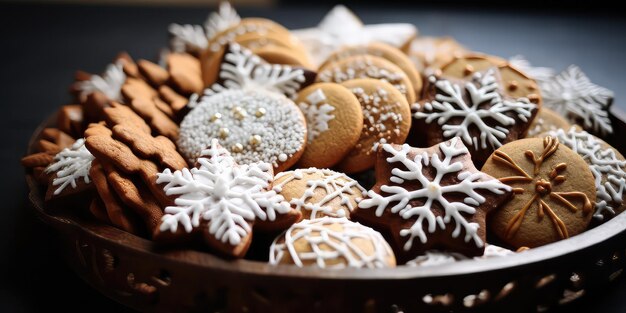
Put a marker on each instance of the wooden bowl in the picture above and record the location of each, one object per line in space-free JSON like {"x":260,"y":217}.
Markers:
{"x":132,"y":271}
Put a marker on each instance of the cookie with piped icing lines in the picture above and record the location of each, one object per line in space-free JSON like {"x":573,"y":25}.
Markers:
{"x":319,"y":192}
{"x":386,"y":119}
{"x":547,"y":120}
{"x":331,"y":243}
{"x":553,"y":187}
{"x":430,"y":53}
{"x":334,"y":121}
{"x":430,"y":198}
{"x":367,"y":66}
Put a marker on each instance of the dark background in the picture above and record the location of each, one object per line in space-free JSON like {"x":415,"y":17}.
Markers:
{"x":42,"y":45}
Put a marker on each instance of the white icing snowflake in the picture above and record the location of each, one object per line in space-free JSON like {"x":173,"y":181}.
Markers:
{"x":340,"y":27}
{"x":71,"y":165}
{"x":187,"y":38}
{"x":227,"y":195}
{"x":539,"y":74}
{"x":242,"y":69}
{"x":434,"y":257}
{"x":431,"y":191}
{"x":331,"y":245}
{"x":218,"y":21}
{"x":608,"y":171}
{"x":335,"y":185}
{"x":484,"y":104}
{"x":317,"y":113}
{"x":572,"y":94}
{"x":110,"y":83}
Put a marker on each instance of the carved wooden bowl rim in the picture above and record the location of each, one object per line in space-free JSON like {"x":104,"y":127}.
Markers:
{"x":188,"y":257}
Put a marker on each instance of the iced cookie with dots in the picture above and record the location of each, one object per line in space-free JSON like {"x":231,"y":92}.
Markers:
{"x":430,"y":53}
{"x":331,"y":243}
{"x":319,"y":192}
{"x":334,"y":121}
{"x":367,"y":66}
{"x":386,"y":119}
{"x":547,"y":120}
{"x":430,"y":198}
{"x":252,"y":125}
{"x":474,"y":110}
{"x":553,"y":187}
{"x":385,"y":51}
{"x":514,"y":83}
{"x":607,"y":165}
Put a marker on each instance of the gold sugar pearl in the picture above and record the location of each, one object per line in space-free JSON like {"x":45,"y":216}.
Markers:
{"x":216,"y":117}
{"x":239,"y":113}
{"x":260,"y":112}
{"x":237,"y":148}
{"x":224,"y":132}
{"x":255,"y":140}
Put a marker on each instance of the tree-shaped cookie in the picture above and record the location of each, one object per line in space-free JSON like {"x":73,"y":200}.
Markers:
{"x":553,"y":189}
{"x":474,"y":110}
{"x":432,"y":198}
{"x":228,"y":198}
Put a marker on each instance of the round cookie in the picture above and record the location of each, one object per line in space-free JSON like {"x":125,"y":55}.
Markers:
{"x":607,"y":165}
{"x":280,"y":55}
{"x":253,"y":125}
{"x":515,"y":83}
{"x":332,"y":243}
{"x":553,"y":188}
{"x":385,"y":51}
{"x":547,"y":120}
{"x":365,"y":66}
{"x":429,"y":53}
{"x":319,"y":192}
{"x":334,"y":120}
{"x":386,"y":119}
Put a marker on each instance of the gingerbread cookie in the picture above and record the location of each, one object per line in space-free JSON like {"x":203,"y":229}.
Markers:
{"x":109,"y":83}
{"x":365,"y":66}
{"x":386,"y":52}
{"x":153,"y":73}
{"x":434,"y":257}
{"x":185,"y":73}
{"x":547,"y":120}
{"x":430,"y":53}
{"x":319,"y":192}
{"x":386,"y":119}
{"x":333,"y":243}
{"x":71,"y":120}
{"x":253,"y":125}
{"x":334,"y":120}
{"x":275,"y":54}
{"x":430,"y":198}
{"x":607,"y":165}
{"x":548,"y":180}
{"x":231,"y":198}
{"x":473,"y":110}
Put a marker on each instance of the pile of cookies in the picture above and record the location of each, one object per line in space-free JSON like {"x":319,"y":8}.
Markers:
{"x":244,"y":126}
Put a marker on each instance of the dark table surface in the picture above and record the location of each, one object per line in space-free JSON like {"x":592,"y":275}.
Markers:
{"x":42,"y":46}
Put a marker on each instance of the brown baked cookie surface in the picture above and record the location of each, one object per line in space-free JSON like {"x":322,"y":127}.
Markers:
{"x":547,"y":120}
{"x":553,"y":188}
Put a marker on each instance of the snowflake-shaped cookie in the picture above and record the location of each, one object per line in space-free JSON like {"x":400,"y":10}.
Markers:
{"x":431,"y":197}
{"x":608,"y":170}
{"x":110,"y":83}
{"x":317,"y":113}
{"x":227,"y":196}
{"x":71,"y":165}
{"x":572,"y":94}
{"x":483,"y":109}
{"x":332,"y":243}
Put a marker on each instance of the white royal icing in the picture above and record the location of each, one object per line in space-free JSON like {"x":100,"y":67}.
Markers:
{"x":227,"y":195}
{"x":281,"y":129}
{"x":110,"y":83}
{"x":484,"y":104}
{"x":219,"y":21}
{"x":328,"y":243}
{"x":608,"y":171}
{"x":398,"y":200}
{"x":434,"y":257}
{"x":71,"y":165}
{"x":317,"y":113}
{"x":334,"y":184}
{"x":572,"y":94}
{"x":340,"y":27}
{"x":539,"y":74}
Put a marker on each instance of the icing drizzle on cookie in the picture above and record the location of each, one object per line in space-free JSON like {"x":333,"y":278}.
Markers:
{"x":227,"y":195}
{"x":334,"y":244}
{"x":110,"y":83}
{"x":71,"y":165}
{"x":334,"y":184}
{"x":608,"y":171}
{"x":397,"y":199}
{"x":317,"y":113}
{"x":484,"y":105}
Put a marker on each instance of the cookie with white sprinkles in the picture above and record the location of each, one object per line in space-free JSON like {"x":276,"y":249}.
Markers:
{"x":253,"y":125}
